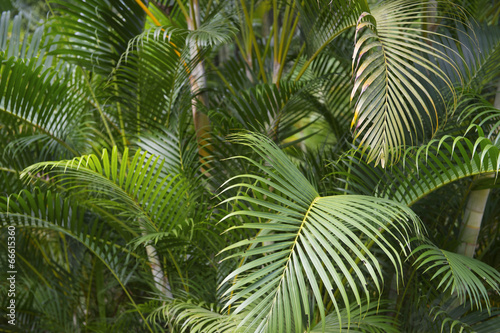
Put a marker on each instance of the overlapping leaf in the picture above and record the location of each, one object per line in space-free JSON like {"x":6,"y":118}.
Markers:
{"x":425,"y":169}
{"x":400,"y":94}
{"x":134,"y":187}
{"x":307,"y":239}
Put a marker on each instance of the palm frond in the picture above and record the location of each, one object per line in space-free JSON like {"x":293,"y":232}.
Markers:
{"x":30,"y":95}
{"x":277,"y":111}
{"x":364,"y":319}
{"x":306,"y":238}
{"x":398,"y":91}
{"x":133,"y":187}
{"x":424,"y":169}
{"x":97,"y":31}
{"x":322,"y":21}
{"x":477,"y":110}
{"x":14,"y":42}
{"x":214,"y":31}
{"x":459,"y":274}
{"x":476,"y":54}
{"x":153,"y":74}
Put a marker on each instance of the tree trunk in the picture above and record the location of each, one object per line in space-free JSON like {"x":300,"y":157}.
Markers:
{"x":474,"y":210}
{"x":161,"y":281}
{"x":198,"y":83}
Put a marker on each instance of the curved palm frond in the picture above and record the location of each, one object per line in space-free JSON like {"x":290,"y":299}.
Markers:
{"x":51,"y":212}
{"x":40,"y":101}
{"x":179,"y":150}
{"x":324,"y":20}
{"x":334,"y":90}
{"x":309,"y":240}
{"x":399,"y":92}
{"x":365,"y":319}
{"x":97,"y":31}
{"x":152,"y":79}
{"x":464,"y":276}
{"x":479,"y":111}
{"x":424,"y":170}
{"x":214,"y":31}
{"x":280,"y":112}
{"x":476,"y":53}
{"x":454,"y":318}
{"x":15,"y":43}
{"x":133,"y":187}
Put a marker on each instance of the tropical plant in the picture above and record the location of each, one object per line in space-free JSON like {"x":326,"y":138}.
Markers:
{"x":251,"y":166}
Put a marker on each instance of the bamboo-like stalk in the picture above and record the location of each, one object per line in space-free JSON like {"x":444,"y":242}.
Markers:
{"x":474,"y":211}
{"x":198,"y":83}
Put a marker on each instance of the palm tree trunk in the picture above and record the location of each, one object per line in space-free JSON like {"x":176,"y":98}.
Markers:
{"x":198,"y":83}
{"x":161,"y":281}
{"x":474,"y":210}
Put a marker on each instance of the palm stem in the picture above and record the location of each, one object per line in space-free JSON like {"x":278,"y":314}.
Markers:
{"x":474,"y":211}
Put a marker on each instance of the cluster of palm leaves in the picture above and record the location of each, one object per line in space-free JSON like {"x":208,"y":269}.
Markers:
{"x":252,"y":166}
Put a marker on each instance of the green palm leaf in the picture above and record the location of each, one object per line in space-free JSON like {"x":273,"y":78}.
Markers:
{"x":152,"y":79}
{"x":459,"y":274}
{"x":424,"y":170}
{"x":97,"y":31}
{"x":398,"y":91}
{"x":133,"y":187}
{"x":51,"y":212}
{"x":40,"y":101}
{"x":309,"y":241}
{"x":364,"y":319}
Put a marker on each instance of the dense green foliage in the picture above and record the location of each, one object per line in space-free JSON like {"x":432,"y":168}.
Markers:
{"x":251,"y":166}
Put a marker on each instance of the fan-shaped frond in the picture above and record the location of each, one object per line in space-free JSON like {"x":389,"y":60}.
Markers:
{"x":309,"y":241}
{"x":459,"y":274}
{"x":133,"y":187}
{"x":398,"y":91}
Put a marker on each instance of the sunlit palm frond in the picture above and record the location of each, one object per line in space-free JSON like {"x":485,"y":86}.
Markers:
{"x":308,"y":240}
{"x":134,"y":187}
{"x":399,"y":93}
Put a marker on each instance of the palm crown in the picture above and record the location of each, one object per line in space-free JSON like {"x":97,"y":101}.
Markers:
{"x":246,"y":166}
